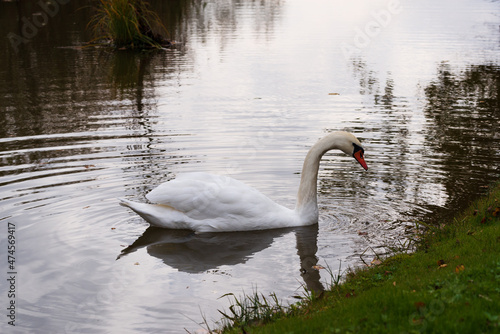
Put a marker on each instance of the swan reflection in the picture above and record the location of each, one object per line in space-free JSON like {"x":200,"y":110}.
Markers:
{"x":196,"y":253}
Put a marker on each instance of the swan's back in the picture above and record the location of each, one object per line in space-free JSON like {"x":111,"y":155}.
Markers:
{"x":216,"y":202}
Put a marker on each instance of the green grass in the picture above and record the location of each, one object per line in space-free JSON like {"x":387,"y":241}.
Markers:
{"x":252,"y":309}
{"x":450,"y":284}
{"x":128,"y":24}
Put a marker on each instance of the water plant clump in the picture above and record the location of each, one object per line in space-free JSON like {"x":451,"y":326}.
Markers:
{"x":128,"y":24}
{"x":252,"y":310}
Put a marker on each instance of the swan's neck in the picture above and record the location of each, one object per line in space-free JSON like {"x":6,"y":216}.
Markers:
{"x":307,"y":202}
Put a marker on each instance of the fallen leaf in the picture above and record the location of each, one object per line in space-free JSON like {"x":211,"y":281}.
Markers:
{"x":496,"y":212}
{"x":362,"y":233}
{"x":86,"y":207}
{"x":483,"y":220}
{"x":419,"y":305}
{"x":350,"y":294}
{"x":376,"y":262}
{"x":459,"y":268}
{"x":113,"y":228}
{"x":443,"y":265}
{"x":333,"y":94}
{"x":136,"y":264}
{"x":394,"y":283}
{"x":318,"y":267}
{"x":440,"y":262}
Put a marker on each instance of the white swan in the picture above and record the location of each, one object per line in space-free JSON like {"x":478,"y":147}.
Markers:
{"x":213,"y":203}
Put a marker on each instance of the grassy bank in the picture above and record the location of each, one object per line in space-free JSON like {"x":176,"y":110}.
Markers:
{"x":128,"y":24}
{"x":451,"y":284}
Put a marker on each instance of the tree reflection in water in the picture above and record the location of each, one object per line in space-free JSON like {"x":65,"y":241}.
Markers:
{"x":464,"y":113}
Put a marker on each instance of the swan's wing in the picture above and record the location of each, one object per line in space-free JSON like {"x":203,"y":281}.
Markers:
{"x":208,"y":196}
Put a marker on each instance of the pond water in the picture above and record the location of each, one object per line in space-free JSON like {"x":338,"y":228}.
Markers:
{"x":247,"y":89}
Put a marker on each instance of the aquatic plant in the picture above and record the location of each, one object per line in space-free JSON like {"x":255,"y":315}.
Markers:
{"x":128,"y":24}
{"x":252,"y":310}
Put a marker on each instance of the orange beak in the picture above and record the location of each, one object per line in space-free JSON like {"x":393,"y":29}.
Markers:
{"x":358,"y":155}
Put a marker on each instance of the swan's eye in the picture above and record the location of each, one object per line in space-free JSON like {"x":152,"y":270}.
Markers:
{"x":357,"y":149}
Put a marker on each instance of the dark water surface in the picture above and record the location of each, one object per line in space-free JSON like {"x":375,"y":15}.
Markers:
{"x":249,"y":87}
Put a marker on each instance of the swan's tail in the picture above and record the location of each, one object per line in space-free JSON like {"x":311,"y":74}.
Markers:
{"x":129,"y":204}
{"x":125,"y":202}
{"x":159,"y":215}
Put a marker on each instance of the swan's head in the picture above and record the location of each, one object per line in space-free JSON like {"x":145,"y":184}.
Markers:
{"x":359,"y":154}
{"x":350,"y":145}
